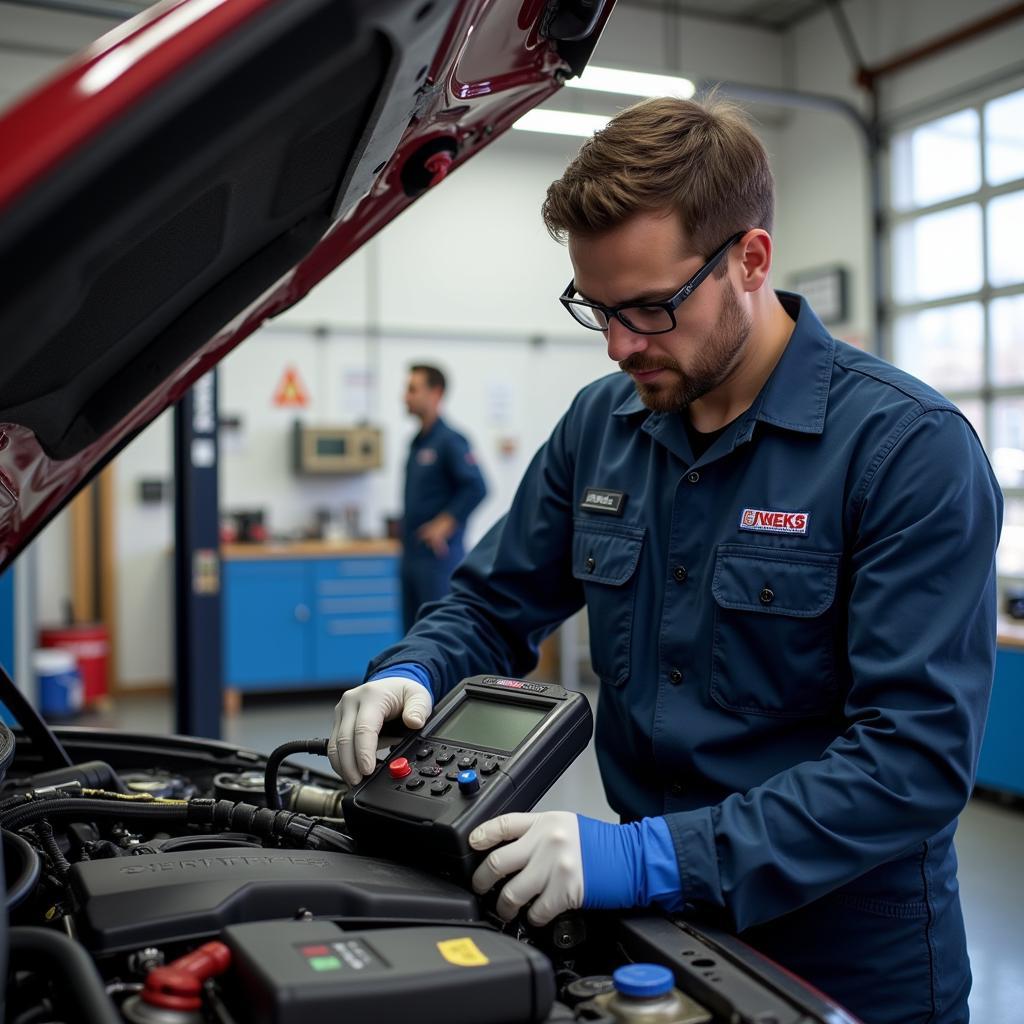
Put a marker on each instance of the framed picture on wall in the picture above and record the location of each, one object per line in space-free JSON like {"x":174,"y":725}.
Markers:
{"x":826,"y":289}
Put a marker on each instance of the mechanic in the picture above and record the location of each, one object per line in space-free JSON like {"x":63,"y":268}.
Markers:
{"x":786,"y":549}
{"x":443,"y":485}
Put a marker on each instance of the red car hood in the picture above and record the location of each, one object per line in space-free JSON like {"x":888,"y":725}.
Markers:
{"x":199,"y":169}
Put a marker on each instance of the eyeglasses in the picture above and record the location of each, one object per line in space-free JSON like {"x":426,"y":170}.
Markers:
{"x":646,"y":317}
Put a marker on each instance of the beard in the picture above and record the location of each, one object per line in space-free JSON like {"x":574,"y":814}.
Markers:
{"x":716,"y":356}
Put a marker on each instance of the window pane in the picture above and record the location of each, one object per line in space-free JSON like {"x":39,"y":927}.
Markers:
{"x":944,"y":347}
{"x":1005,"y":227}
{"x":1010,"y":557}
{"x":1004,"y":138}
{"x":1007,"y":325}
{"x":974,"y":410}
{"x":1007,"y":451}
{"x":938,"y":254}
{"x":937,"y":161}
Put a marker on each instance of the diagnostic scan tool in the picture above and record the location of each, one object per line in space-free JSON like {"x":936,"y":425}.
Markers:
{"x":493,"y":745}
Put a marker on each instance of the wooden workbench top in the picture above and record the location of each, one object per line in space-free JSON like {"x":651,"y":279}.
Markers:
{"x":1010,"y":633}
{"x":311,"y":549}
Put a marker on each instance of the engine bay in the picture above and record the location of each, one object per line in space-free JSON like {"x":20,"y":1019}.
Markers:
{"x":148,"y":881}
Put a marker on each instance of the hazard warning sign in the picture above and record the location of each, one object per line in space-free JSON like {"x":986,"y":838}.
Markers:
{"x":291,"y":392}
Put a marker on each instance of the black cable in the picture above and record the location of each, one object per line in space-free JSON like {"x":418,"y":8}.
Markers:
{"x":81,"y":809}
{"x":76,"y":979}
{"x":317,"y":746}
{"x":223,"y":815}
{"x":49,"y":748}
{"x":17,"y":847}
{"x":44,"y":832}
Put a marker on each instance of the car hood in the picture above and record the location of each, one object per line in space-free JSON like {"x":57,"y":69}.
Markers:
{"x":199,"y":169}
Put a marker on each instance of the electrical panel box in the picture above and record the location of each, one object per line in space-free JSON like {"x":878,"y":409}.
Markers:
{"x":329,"y":451}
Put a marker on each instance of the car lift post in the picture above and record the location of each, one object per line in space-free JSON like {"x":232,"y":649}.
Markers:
{"x":197,"y":605}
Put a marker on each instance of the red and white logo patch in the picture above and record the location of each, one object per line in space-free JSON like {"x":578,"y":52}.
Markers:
{"x":764,"y":520}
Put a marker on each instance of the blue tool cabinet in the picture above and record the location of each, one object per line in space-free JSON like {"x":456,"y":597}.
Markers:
{"x":307,"y":621}
{"x":1002,"y":755}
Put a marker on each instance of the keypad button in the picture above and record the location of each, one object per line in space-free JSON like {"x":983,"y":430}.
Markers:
{"x":414,"y":784}
{"x":440,"y":788}
{"x":489,"y":767}
{"x":467,"y":762}
{"x":452,"y":773}
{"x":431,"y":771}
{"x":444,"y":758}
{"x":423,"y":753}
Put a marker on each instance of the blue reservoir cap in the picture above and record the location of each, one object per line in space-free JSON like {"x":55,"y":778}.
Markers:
{"x":643,"y":980}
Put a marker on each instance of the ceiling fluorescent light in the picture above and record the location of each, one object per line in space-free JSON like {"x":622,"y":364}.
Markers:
{"x":632,"y":83}
{"x":561,"y":122}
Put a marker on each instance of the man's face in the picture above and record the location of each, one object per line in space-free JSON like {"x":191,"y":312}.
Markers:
{"x":647,"y":259}
{"x":421,"y":399}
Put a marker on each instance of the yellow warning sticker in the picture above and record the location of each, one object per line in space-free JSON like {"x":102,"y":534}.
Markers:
{"x":462,"y":953}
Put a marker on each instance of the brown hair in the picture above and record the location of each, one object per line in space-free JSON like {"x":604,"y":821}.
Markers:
{"x":433,"y":377}
{"x":700,"y":158}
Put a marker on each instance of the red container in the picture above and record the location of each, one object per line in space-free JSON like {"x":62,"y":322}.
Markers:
{"x":90,"y":644}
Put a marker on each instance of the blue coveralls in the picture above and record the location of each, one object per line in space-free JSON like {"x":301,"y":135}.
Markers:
{"x":441,"y":475}
{"x":795,"y":636}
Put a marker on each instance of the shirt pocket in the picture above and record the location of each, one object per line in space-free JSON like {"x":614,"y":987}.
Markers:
{"x":604,"y":559}
{"x":776,"y":631}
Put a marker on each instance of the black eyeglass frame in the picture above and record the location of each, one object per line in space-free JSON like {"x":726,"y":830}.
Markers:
{"x":669,"y":305}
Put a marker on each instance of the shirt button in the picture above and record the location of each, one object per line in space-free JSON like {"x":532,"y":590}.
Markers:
{"x":591,"y":564}
{"x":767,"y":596}
{"x":693,"y":477}
{"x":675,"y":676}
{"x":676,"y":789}
{"x":680,"y":573}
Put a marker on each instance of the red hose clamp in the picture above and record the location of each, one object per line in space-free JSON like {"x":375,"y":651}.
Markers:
{"x":179,"y":985}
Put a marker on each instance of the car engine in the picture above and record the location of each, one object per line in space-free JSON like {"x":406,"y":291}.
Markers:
{"x":148,"y":881}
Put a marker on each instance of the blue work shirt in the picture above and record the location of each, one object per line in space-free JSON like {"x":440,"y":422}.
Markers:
{"x":441,"y":475}
{"x":795,"y":636}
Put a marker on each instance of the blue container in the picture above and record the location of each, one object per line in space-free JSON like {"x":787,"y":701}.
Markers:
{"x":59,"y":681}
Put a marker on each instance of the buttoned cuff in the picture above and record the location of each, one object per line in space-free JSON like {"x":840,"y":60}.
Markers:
{"x":693,"y":836}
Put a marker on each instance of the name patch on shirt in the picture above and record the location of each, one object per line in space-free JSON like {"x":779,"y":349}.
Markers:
{"x":426,"y":456}
{"x":764,"y":520}
{"x":597,"y":499}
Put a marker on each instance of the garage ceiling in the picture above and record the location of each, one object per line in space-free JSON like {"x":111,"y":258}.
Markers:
{"x":777,"y":15}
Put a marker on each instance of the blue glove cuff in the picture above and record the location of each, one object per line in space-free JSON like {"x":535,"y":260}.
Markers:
{"x":406,"y":670}
{"x":630,"y":865}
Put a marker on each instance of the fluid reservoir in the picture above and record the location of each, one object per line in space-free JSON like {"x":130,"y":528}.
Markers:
{"x":646,"y":994}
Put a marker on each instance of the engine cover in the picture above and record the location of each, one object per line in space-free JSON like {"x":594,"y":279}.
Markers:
{"x":128,"y":902}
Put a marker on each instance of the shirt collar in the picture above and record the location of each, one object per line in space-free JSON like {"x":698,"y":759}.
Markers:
{"x":425,"y":435}
{"x":795,"y":396}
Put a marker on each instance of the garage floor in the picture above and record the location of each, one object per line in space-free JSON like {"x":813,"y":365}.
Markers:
{"x":990,"y":839}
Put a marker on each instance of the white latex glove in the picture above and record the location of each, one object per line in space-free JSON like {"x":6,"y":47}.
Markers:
{"x":360,"y":715}
{"x":546,"y":853}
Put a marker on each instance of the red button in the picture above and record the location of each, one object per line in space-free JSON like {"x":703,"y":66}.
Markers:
{"x":315,"y":951}
{"x":399,"y":768}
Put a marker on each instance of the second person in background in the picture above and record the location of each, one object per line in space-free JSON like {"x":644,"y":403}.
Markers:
{"x":443,"y":485}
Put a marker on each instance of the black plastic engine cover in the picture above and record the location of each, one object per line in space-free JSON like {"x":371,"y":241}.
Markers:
{"x":127,"y":902}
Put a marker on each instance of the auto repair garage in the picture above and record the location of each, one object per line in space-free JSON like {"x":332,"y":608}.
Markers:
{"x":586,"y":584}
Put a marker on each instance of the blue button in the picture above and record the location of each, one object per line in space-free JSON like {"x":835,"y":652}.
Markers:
{"x":468,"y":781}
{"x":643,"y":980}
